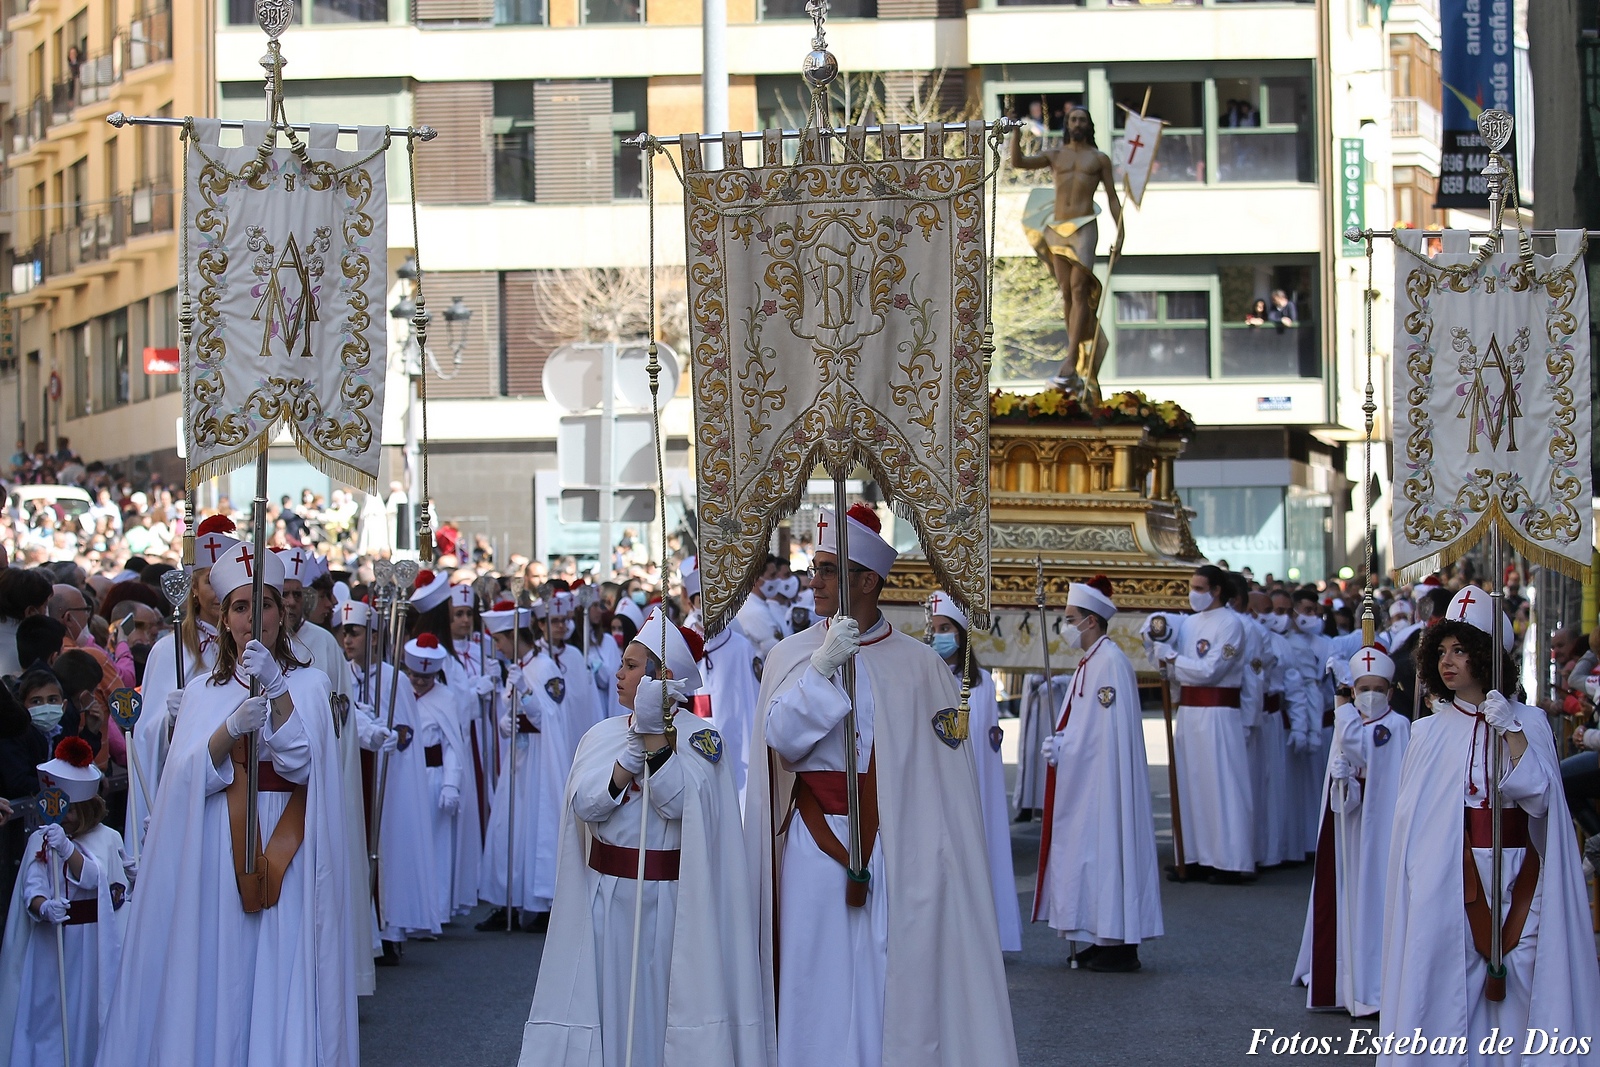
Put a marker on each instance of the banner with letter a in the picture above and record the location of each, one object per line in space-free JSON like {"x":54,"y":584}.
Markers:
{"x":1491,"y":396}
{"x":285,"y":260}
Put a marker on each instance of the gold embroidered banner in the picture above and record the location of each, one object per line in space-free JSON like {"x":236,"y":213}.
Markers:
{"x":287,"y":270}
{"x":1491,"y":388}
{"x":837,"y":312}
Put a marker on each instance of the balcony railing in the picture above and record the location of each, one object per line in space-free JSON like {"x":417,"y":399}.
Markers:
{"x":1411,"y":117}
{"x":27,"y":127}
{"x":147,"y":40}
{"x":145,"y":211}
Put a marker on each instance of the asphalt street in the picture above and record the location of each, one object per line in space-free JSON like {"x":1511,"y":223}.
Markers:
{"x":1218,"y":977}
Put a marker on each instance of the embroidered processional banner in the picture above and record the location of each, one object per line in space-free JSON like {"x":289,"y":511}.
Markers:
{"x":836,"y":316}
{"x":286,"y":266}
{"x":1491,"y":396}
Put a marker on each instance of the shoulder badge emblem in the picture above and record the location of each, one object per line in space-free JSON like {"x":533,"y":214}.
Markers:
{"x":1380,"y":736}
{"x":556,"y":689}
{"x":944,"y":725}
{"x":1255,"y":664}
{"x":1201,"y":647}
{"x":756,"y":665}
{"x":405,"y":734}
{"x":1230,"y":651}
{"x":996,"y":736}
{"x":125,"y":706}
{"x":708,"y":743}
{"x":1107,"y":695}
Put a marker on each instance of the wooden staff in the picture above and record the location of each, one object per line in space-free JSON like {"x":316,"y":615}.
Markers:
{"x":405,"y":573}
{"x":517,"y":590}
{"x":1172,"y":756}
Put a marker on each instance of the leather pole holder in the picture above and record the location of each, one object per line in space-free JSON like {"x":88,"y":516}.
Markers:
{"x":814,"y":809}
{"x":1480,"y":922}
{"x":261,"y":889}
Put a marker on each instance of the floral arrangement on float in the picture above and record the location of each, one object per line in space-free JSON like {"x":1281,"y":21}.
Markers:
{"x":1056,"y":407}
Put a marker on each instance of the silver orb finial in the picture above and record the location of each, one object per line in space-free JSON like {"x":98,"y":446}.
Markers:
{"x":819,"y":68}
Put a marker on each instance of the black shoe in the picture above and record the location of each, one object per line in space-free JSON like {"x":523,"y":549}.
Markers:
{"x":1227,"y":878}
{"x":1115,"y":959}
{"x":1025,"y":815}
{"x":391,"y":955}
{"x":540,"y":923}
{"x":1193,"y":872}
{"x":495,"y":921}
{"x":1087,"y":953}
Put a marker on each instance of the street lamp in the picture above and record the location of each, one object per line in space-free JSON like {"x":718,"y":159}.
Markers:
{"x":457,"y":318}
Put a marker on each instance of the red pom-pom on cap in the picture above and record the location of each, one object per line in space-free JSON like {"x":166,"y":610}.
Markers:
{"x":503,"y":605}
{"x":427,"y":641}
{"x":1100,"y":584}
{"x":424,"y":579}
{"x":215,"y":524}
{"x":74,"y":750}
{"x":696,"y":643}
{"x":865,"y":516}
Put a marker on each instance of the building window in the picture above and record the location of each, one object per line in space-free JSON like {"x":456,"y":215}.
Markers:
{"x":323,"y":12}
{"x":513,"y":141}
{"x":115,"y":367}
{"x":1268,"y":315}
{"x":629,"y":103}
{"x":1264,"y":130}
{"x":78,"y":342}
{"x":519,"y":12}
{"x":839,"y":9}
{"x":1181,"y":155}
{"x":1163,"y":334}
{"x":1244,"y":525}
{"x":599,"y":11}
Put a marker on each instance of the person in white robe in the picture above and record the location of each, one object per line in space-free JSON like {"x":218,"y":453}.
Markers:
{"x":577,"y":698}
{"x":912,"y":976}
{"x":698,"y":994}
{"x":1252,"y":696}
{"x":732,"y":672}
{"x":948,"y":637}
{"x":1311,"y":717}
{"x":1099,"y":881}
{"x":1341,"y":949}
{"x":73,"y":876}
{"x":1036,"y":715}
{"x":1206,"y":657}
{"x":474,"y":657}
{"x":1435,"y":971}
{"x":404,"y":905}
{"x":195,"y":642}
{"x":533,"y":733}
{"x":756,"y":619}
{"x":1269,"y":762}
{"x":220,"y":966}
{"x":440,"y":743}
{"x":325,"y":653}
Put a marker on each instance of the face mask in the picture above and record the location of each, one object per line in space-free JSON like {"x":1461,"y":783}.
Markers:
{"x":1278,"y":624}
{"x":771,"y":587}
{"x":46,"y":716}
{"x":638,"y":597}
{"x":1085,"y":632}
{"x":1371,"y":704}
{"x":789,"y":587}
{"x":945,"y":644}
{"x":1200,"y":601}
{"x":1308,"y":624}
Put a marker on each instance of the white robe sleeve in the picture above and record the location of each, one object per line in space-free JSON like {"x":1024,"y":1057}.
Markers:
{"x":218,"y":778}
{"x":289,"y":747}
{"x":452,"y":756}
{"x":1207,"y":669}
{"x":1297,"y":692}
{"x":667,"y":787}
{"x":1344,"y":795}
{"x":1528,"y":784}
{"x":804,"y":714}
{"x":591,"y":798}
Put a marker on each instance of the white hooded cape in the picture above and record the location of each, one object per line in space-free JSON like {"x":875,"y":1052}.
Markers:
{"x":945,"y":999}
{"x":186,"y":993}
{"x":732,"y":670}
{"x":1426,"y":944}
{"x":150,"y":732}
{"x":986,"y":741}
{"x":714,"y":1008}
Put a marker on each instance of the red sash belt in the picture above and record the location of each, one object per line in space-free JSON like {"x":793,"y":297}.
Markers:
{"x":1327,"y":719}
{"x":1513,"y":828}
{"x":525,"y":724}
{"x":433,"y":755}
{"x":829,"y":789}
{"x":1208,"y":696}
{"x":83,"y":912}
{"x":660,"y":865}
{"x":1272,"y":703}
{"x":270,"y":781}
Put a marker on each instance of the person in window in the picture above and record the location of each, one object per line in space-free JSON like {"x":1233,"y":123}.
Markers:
{"x":1257,"y":315}
{"x":1282,"y":313}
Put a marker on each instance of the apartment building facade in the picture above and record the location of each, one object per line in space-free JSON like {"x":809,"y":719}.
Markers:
{"x":1268,"y":105}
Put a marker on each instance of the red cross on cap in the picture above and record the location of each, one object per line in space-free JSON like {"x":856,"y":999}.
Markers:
{"x":298,"y":557}
{"x":212,"y":546}
{"x":1366,"y":660}
{"x":246,"y":558}
{"x":1465,"y":602}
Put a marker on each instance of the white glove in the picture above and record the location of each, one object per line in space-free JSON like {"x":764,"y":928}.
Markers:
{"x":1591,"y":740}
{"x":257,"y":662}
{"x":1299,"y":742}
{"x":449,"y":800}
{"x":1314,"y":740}
{"x":841,"y":642}
{"x":174,"y":701}
{"x":248,"y":717}
{"x":517,"y":680}
{"x":633,"y":755}
{"x":1339,"y":767}
{"x":1163,"y":652}
{"x":388,"y":740}
{"x":130,"y":867}
{"x":505,"y":725}
{"x":483,"y":685}
{"x":53,"y":911}
{"x":1498,"y":712}
{"x":648,"y":716}
{"x":1339,"y":667}
{"x":56,"y":839}
{"x":1050,"y":750}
